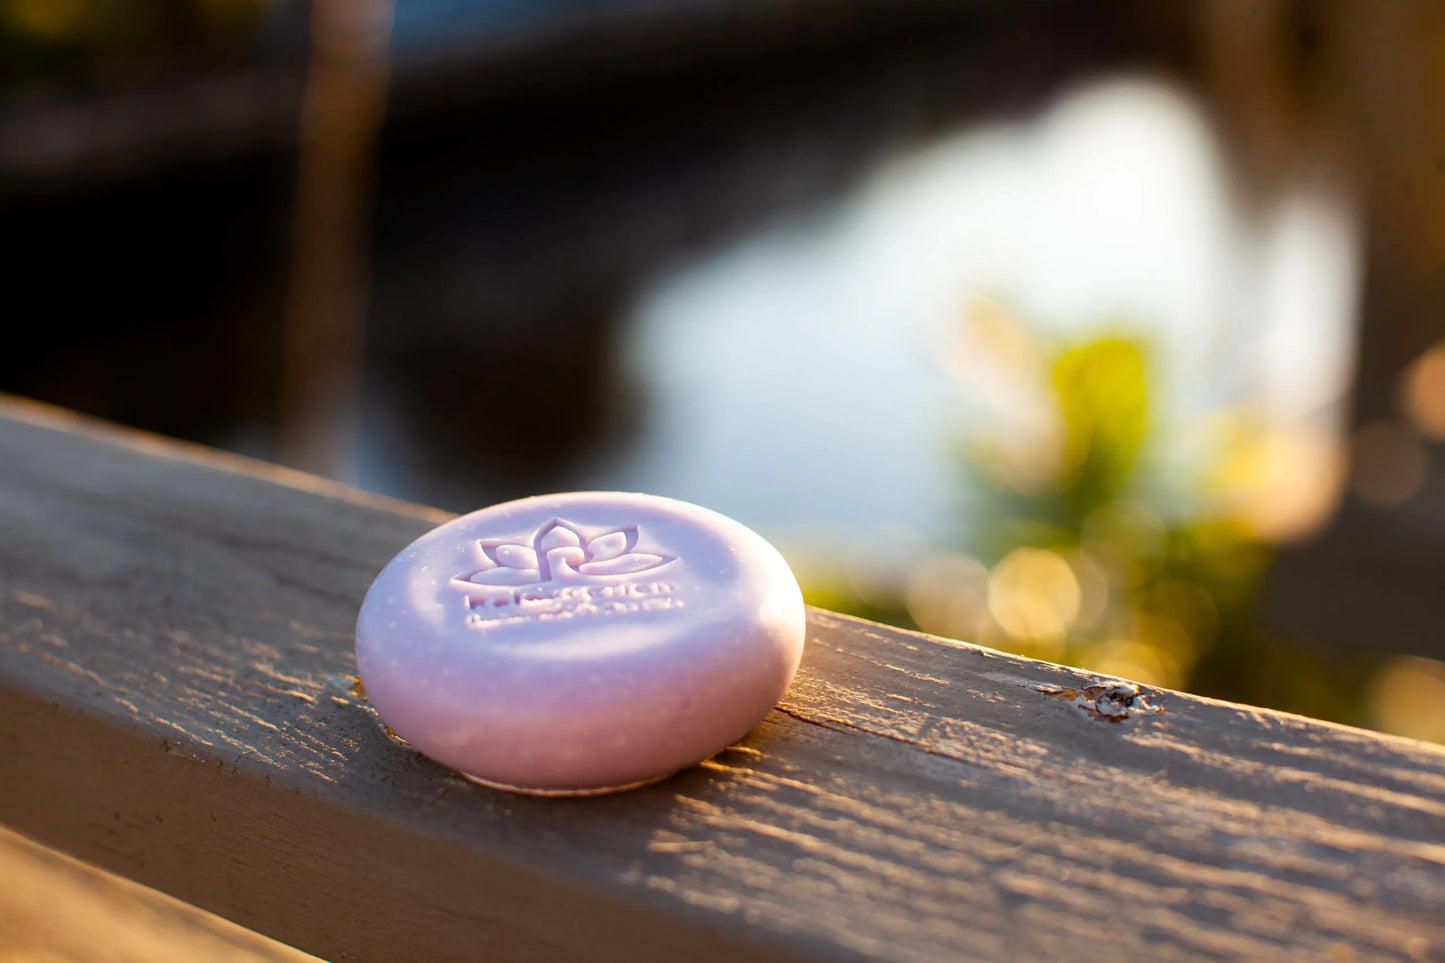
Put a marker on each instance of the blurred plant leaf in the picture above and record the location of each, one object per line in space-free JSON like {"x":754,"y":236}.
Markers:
{"x":1103,"y":396}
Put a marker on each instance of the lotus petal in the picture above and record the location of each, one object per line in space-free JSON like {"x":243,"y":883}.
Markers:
{"x":556,"y":534}
{"x":625,"y":564}
{"x":611,"y":545}
{"x":515,"y":556}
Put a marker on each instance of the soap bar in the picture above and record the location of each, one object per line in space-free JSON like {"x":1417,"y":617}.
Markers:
{"x":579,"y":643}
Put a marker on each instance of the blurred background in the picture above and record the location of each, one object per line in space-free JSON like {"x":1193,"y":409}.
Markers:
{"x":1104,"y":331}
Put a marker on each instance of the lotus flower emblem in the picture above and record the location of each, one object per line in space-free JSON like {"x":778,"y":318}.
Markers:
{"x":560,"y":552}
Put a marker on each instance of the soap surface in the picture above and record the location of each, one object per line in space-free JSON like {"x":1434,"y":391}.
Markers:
{"x":580,"y":643}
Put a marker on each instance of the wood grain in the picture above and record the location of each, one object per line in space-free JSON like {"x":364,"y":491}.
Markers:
{"x":176,"y":681}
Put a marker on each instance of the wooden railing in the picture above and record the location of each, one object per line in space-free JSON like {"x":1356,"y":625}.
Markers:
{"x":179,"y":705}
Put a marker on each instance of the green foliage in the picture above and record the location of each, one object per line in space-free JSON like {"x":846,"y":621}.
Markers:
{"x":1168,"y":591}
{"x":1102,"y":394}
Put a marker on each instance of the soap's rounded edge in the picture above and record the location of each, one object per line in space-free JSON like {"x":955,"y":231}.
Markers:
{"x":792,"y":650}
{"x":579,"y":792}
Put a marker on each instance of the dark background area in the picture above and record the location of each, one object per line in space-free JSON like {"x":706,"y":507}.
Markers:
{"x":525,"y":184}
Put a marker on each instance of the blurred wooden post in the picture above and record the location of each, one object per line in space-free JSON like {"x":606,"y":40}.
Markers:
{"x":325,"y":311}
{"x":1356,"y":87}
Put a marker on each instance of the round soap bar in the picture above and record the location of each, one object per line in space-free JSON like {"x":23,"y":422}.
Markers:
{"x":579,"y":643}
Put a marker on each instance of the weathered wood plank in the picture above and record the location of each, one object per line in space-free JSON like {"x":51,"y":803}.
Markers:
{"x":175,"y":681}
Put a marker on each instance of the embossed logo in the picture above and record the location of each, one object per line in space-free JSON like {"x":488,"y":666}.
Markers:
{"x":561,"y":572}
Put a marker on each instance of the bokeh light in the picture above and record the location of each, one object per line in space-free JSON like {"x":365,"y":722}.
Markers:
{"x":1423,"y":392}
{"x":1136,"y":660}
{"x":947,"y":595}
{"x":1387,"y":463}
{"x":1034,"y":597}
{"x":1407,"y":697}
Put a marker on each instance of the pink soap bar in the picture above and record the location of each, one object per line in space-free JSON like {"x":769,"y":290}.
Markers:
{"x":580,"y":643}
